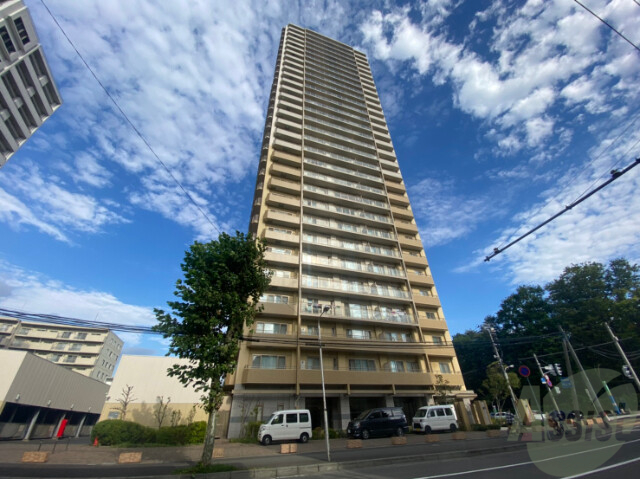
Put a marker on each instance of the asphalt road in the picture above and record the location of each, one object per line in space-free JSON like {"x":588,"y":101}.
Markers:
{"x":603,"y":460}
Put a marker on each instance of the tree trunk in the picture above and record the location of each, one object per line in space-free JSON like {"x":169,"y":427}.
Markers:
{"x":209,"y":439}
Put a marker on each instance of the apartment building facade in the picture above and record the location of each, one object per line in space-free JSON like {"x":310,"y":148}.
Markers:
{"x":93,"y":352}
{"x":347,"y":259}
{"x":28,"y":94}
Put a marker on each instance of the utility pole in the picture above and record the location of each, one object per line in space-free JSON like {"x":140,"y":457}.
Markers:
{"x":592,"y":393}
{"x":496,"y":354}
{"x":324,"y":394}
{"x":624,"y":356}
{"x":574,"y":394}
{"x":542,"y":374}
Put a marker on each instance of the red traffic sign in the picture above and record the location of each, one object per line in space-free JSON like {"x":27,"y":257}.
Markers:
{"x":524,"y":371}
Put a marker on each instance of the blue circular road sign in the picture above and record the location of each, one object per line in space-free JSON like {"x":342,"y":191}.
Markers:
{"x":524,"y":371}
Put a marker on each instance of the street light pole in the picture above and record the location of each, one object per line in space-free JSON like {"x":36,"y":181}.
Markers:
{"x":504,"y":372}
{"x":324,"y":395}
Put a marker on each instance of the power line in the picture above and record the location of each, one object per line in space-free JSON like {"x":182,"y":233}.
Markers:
{"x":609,"y":25}
{"x":615,"y":174}
{"x":144,"y":140}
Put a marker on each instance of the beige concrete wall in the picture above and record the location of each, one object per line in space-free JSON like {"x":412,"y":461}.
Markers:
{"x":143,"y":413}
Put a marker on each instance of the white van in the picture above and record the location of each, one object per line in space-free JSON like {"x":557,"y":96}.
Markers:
{"x":435,"y":418}
{"x":287,"y":425}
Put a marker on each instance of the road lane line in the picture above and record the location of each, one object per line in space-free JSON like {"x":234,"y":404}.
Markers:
{"x":508,"y":466}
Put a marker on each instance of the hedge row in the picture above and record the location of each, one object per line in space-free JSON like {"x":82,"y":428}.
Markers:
{"x":113,"y":432}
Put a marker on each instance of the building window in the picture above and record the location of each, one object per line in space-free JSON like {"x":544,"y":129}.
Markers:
{"x":65,"y":334}
{"x":436,"y":339}
{"x":309,"y":330}
{"x":358,"y":334}
{"x":70,"y":359}
{"x":24,"y":330}
{"x":362,"y":365}
{"x":5,"y":327}
{"x":430,"y":315}
{"x":75,"y":347}
{"x":55,"y":357}
{"x":274,"y":298}
{"x":399,"y":337}
{"x":277,"y":250}
{"x":271,"y":328}
{"x":311,"y":363}
{"x":413,"y":366}
{"x":22,"y":30}
{"x":6,"y":39}
{"x":396,"y":366}
{"x":81,"y":335}
{"x":445,"y":368}
{"x":263,"y":361}
{"x":59,"y":346}
{"x":280,"y":230}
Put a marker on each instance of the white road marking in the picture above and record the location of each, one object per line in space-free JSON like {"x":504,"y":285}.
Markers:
{"x":507,"y":466}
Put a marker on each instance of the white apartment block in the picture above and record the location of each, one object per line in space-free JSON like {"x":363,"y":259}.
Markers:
{"x":28,"y":94}
{"x":93,"y":352}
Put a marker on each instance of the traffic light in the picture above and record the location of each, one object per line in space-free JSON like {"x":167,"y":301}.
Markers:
{"x":558,"y":369}
{"x":627,"y":372}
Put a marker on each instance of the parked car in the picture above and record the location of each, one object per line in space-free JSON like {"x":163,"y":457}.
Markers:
{"x":538,"y":416}
{"x":382,"y":421}
{"x":504,"y":417}
{"x":435,"y":418}
{"x":287,"y":425}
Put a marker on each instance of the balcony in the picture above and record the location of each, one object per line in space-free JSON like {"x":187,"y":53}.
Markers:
{"x":275,"y":237}
{"x":365,"y":314}
{"x":352,"y":290}
{"x":284,"y":259}
{"x":407,"y":243}
{"x":398,"y":199}
{"x":286,"y":186}
{"x":406,"y":227}
{"x":412,"y":260}
{"x":374,"y":378}
{"x":287,"y":146}
{"x":420,"y":300}
{"x":284,"y":124}
{"x":399,"y":212}
{"x":395,"y":187}
{"x":282,"y":218}
{"x":392,"y":175}
{"x":279,"y":309}
{"x":279,"y":200}
{"x":268,"y":376}
{"x":433,"y":324}
{"x":286,"y":158}
{"x":420,"y":279}
{"x":283,"y":283}
{"x":284,"y":171}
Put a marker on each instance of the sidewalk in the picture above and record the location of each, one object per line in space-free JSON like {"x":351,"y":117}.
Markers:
{"x":254,"y":456}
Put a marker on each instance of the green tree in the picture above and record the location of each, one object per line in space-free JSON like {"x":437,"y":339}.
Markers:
{"x":474,"y":352}
{"x":496,"y":386}
{"x":219,"y":295}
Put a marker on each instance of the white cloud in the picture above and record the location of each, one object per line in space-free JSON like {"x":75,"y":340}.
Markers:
{"x":445,"y":214}
{"x":33,"y":293}
{"x":15,"y":213}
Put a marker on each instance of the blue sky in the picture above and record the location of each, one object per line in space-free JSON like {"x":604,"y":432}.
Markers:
{"x":501,"y":113}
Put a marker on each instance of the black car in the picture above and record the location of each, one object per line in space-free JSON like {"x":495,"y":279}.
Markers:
{"x":382,"y":421}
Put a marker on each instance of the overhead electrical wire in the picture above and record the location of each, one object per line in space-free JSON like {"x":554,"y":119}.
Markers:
{"x":133,"y":127}
{"x":615,"y":174}
{"x":608,"y":25}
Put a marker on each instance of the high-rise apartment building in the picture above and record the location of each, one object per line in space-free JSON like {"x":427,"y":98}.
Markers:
{"x":28,"y":94}
{"x":93,"y":352}
{"x":345,"y":253}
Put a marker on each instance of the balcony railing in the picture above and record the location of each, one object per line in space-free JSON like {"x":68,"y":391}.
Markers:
{"x":347,"y":211}
{"x":348,"y":227}
{"x":345,"y":196}
{"x":354,"y":287}
{"x":340,"y":169}
{"x":341,"y":128}
{"x":337,"y":181}
{"x":361,"y":311}
{"x":346,"y":159}
{"x":363,"y":247}
{"x":354,"y":266}
{"x":343,"y":148}
{"x":370,"y":146}
{"x":364,"y":126}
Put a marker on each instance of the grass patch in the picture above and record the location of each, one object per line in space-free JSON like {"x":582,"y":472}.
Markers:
{"x":202,"y":469}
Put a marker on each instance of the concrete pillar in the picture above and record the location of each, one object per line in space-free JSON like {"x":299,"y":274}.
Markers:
{"x":345,"y":411}
{"x":81,"y":424}
{"x":58,"y":424}
{"x":388,"y":401}
{"x":32,"y":424}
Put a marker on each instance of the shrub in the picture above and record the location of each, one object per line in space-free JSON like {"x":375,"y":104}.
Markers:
{"x":117,"y":431}
{"x":251,"y":430}
{"x":318,"y":433}
{"x":175,"y":436}
{"x":197,"y":431}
